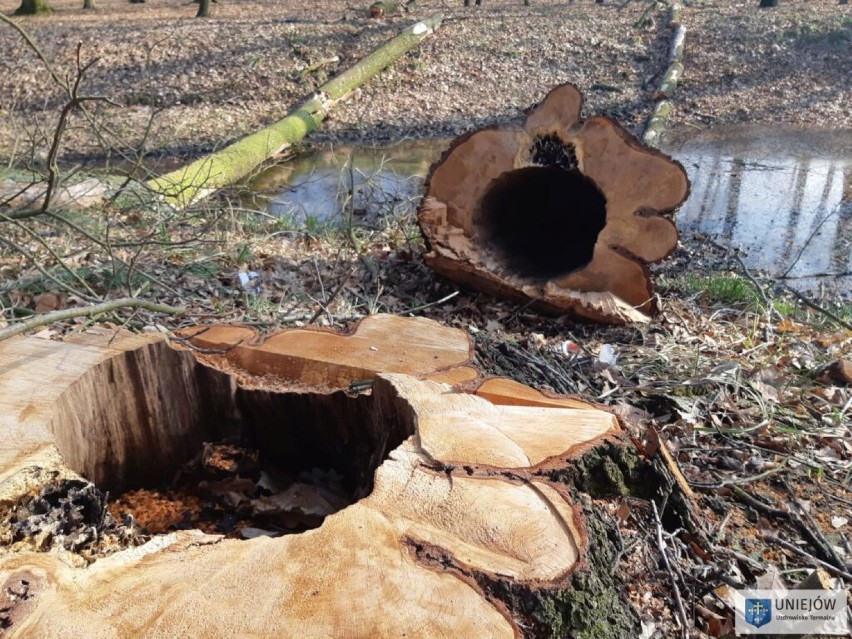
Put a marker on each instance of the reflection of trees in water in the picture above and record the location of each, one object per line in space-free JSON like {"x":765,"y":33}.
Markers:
{"x":733,"y":207}
{"x":710,"y":190}
{"x":792,"y":225}
{"x":841,"y":250}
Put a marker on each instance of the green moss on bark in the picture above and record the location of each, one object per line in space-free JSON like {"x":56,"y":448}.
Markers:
{"x":593,"y":608}
{"x":607,"y":470}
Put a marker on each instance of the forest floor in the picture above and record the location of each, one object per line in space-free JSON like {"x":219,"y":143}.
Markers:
{"x":202,"y":83}
{"x":731,"y":374}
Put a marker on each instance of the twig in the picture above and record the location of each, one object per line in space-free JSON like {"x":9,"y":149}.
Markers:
{"x":60,"y":262}
{"x":748,"y":274}
{"x":753,"y":564}
{"x":185,"y":341}
{"x":808,"y":276}
{"x":661,"y":545}
{"x":742,"y":480}
{"x":808,"y":241}
{"x":817,"y":307}
{"x":368,"y":263}
{"x":324,"y":304}
{"x":88,"y":311}
{"x":59,"y":283}
{"x":414,"y":309}
{"x":758,"y":505}
{"x":793,"y":548}
{"x":816,"y":539}
{"x":813,"y":533}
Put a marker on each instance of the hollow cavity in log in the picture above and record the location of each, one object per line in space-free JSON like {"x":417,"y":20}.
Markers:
{"x":563,"y":212}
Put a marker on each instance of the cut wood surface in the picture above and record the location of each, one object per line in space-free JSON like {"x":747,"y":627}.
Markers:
{"x":564,"y":213}
{"x":322,"y":357}
{"x":454,"y":498}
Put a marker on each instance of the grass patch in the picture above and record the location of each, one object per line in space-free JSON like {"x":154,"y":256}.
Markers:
{"x":713,"y":288}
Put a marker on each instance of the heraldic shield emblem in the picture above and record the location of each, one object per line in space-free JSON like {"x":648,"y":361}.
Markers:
{"x":758,"y":612}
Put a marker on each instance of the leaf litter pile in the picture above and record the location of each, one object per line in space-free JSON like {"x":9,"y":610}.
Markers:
{"x":229,"y":489}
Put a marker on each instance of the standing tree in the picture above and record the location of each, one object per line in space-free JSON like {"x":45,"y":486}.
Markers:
{"x":768,"y":3}
{"x":32,"y":7}
{"x":203,"y":9}
{"x":89,"y":4}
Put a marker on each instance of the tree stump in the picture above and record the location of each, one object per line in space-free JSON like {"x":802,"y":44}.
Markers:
{"x":457,"y":527}
{"x":562,"y":213}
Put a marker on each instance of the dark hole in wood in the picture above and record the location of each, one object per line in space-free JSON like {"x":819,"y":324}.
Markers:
{"x":543,"y":221}
{"x":264,"y":443}
{"x":551,"y":150}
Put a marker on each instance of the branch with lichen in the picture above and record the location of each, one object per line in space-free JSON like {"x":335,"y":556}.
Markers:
{"x":45,"y":319}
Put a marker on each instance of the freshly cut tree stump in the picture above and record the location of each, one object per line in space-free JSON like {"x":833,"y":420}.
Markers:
{"x":458,"y":529}
{"x":564,"y":213}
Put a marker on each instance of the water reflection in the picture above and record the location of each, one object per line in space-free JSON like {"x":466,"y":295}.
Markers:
{"x":783,"y":197}
{"x":317,"y":187}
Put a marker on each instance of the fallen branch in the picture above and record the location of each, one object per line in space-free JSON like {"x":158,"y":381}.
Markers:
{"x":182,"y":187}
{"x":669,"y":84}
{"x":817,"y":307}
{"x":676,"y":46}
{"x":657,"y":123}
{"x":794,"y":548}
{"x":659,"y":120}
{"x":88,"y":311}
{"x":661,"y":545}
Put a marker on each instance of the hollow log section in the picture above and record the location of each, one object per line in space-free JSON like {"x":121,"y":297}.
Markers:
{"x":562,"y":213}
{"x":182,"y":187}
{"x":452,"y":469}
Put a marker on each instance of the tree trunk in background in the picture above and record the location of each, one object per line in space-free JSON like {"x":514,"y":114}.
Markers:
{"x":203,"y":9}
{"x":32,"y":7}
{"x":89,"y":4}
{"x":768,"y":3}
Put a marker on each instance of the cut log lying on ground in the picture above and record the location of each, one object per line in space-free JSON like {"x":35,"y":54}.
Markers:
{"x":222,"y":168}
{"x":457,"y":526}
{"x":562,"y":213}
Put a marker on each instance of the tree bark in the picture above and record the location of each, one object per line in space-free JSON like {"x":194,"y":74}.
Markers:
{"x":768,"y":3}
{"x":184,"y":186}
{"x":33,"y":7}
{"x":203,"y":9}
{"x":658,"y":123}
{"x":664,"y":109}
{"x":538,"y":215}
{"x":669,"y":84}
{"x":89,"y":5}
{"x":458,"y":495}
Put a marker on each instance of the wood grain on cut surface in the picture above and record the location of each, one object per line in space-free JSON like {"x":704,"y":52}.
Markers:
{"x":451,"y":497}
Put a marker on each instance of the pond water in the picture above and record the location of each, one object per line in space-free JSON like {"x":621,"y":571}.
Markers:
{"x":316,"y":187}
{"x":783,"y":198}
